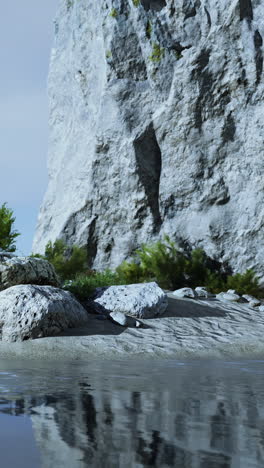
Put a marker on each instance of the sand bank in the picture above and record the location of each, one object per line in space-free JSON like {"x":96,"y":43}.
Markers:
{"x":190,"y":328}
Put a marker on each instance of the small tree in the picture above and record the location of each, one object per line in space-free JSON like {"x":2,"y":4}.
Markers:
{"x":67,"y":261}
{"x":7,"y":234}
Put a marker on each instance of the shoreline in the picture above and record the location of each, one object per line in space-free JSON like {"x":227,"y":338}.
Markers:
{"x":189,"y":329}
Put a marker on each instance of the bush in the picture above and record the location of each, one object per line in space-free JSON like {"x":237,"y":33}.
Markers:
{"x":164,"y":263}
{"x":67,"y":261}
{"x":173,"y":269}
{"x":161,"y":262}
{"x":7,"y":234}
{"x":245,"y":283}
{"x":129,"y":273}
{"x":158,"y":53}
{"x":84,"y":285}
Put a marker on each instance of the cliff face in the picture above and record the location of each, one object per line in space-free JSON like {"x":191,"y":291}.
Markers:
{"x":156,"y":126}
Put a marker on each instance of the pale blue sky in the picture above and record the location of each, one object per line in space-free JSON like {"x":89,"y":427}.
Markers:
{"x":26,"y":35}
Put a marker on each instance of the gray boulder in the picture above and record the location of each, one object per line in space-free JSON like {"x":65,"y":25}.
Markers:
{"x":229,"y":296}
{"x":29,"y":311}
{"x":201,"y":291}
{"x":4,"y":255}
{"x":124,"y":320}
{"x":253,"y":302}
{"x":185,"y":292}
{"x":27,"y":270}
{"x":143,"y":300}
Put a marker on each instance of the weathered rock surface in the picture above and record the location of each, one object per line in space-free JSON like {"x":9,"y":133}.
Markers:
{"x":28,"y":312}
{"x":185,"y":292}
{"x":144,"y":300}
{"x":156,"y":119}
{"x":27,"y":270}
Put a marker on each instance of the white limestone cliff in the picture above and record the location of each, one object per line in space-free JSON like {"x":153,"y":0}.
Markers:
{"x":157,"y":126}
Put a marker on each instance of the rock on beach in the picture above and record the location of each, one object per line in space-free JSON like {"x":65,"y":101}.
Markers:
{"x":143,"y":300}
{"x":27,"y":270}
{"x":30,"y":311}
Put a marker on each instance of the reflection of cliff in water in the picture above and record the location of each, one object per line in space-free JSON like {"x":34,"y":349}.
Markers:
{"x":217,"y":424}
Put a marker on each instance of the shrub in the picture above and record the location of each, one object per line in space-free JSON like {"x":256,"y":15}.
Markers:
{"x":196,"y":270}
{"x":136,"y":3}
{"x":130,"y":273}
{"x":67,"y":261}
{"x":245,"y":283}
{"x":84,"y":285}
{"x":178,"y":54}
{"x":148,"y":29}
{"x":172,"y":269}
{"x":7,"y":234}
{"x":157,"y":53}
{"x":113,"y":13}
{"x":215,"y":282}
{"x":161,"y":262}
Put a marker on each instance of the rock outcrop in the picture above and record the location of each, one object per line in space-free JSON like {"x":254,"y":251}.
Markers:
{"x":146,"y":300}
{"x":27,"y":270}
{"x":28,"y":312}
{"x":156,"y":126}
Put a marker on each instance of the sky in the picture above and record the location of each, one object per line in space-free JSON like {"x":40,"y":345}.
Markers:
{"x":26,"y":35}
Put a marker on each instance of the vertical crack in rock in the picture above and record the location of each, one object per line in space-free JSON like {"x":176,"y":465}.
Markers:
{"x":208,"y":17}
{"x":155,"y":5}
{"x":229,"y":130}
{"x":149,"y":162}
{"x":258,"y":41}
{"x":205,"y":80}
{"x":246,"y":10}
{"x":92,"y":243}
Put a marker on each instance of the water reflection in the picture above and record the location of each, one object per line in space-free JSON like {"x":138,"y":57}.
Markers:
{"x":186,"y":417}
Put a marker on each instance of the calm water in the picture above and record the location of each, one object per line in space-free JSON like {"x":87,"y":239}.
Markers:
{"x":132,"y":414}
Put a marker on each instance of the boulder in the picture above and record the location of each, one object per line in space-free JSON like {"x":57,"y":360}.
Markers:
{"x":253,"y":302}
{"x":27,"y":270}
{"x":124,"y":320}
{"x":31,"y":311}
{"x":233,"y":291}
{"x":144,"y":300}
{"x":261,"y":308}
{"x":4,"y":255}
{"x":185,"y":292}
{"x":229,"y":296}
{"x":201,"y":291}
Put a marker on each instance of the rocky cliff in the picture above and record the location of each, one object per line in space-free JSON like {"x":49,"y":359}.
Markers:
{"x":156,"y":126}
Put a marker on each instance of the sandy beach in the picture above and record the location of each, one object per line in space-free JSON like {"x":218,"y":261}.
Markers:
{"x":190,"y":328}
